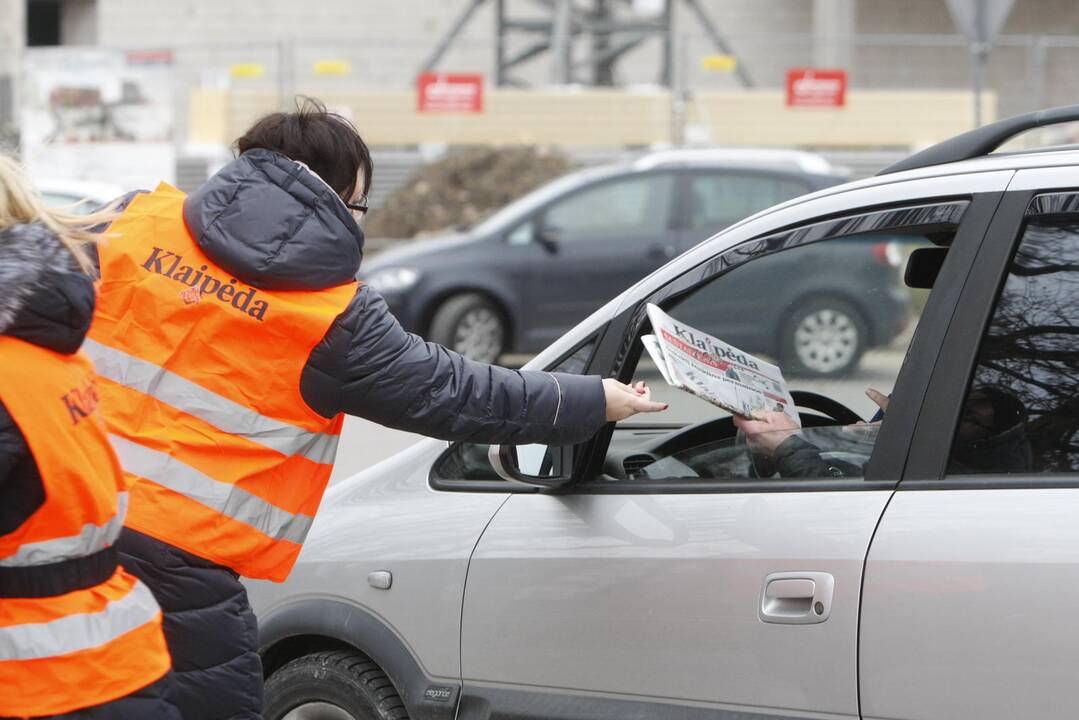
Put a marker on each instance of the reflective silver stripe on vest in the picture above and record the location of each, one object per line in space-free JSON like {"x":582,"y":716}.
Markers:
{"x":82,"y":631}
{"x":228,"y":416}
{"x":229,"y":500}
{"x":89,"y":540}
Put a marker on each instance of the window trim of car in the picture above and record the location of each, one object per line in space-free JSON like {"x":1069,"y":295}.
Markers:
{"x":707,"y":486}
{"x":930,"y":448}
{"x":917,"y":213}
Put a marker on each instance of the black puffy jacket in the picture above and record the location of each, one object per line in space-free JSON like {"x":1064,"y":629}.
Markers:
{"x":271,"y":223}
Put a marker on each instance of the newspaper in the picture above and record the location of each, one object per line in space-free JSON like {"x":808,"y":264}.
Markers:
{"x":715,"y":371}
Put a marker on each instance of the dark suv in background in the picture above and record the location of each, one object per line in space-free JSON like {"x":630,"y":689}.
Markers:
{"x":539,"y":266}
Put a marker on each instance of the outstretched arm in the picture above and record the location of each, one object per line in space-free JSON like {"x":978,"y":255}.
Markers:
{"x":368,"y":366}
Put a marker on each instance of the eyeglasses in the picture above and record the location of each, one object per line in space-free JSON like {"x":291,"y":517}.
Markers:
{"x":360,"y":207}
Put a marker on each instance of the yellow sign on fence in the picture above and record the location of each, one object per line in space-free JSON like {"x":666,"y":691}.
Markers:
{"x":719,"y":63}
{"x":332,"y":67}
{"x":247,"y":70}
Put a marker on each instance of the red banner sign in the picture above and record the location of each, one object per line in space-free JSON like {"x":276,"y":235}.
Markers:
{"x":149,"y":57}
{"x":449,"y":92}
{"x":816,"y":87}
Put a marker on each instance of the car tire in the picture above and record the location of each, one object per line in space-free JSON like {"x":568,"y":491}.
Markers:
{"x":470,"y":325}
{"x":825,"y":337}
{"x":332,"y":685}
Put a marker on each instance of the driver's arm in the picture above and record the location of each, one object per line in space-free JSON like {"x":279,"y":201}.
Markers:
{"x":775,"y":435}
{"x":796,"y":458}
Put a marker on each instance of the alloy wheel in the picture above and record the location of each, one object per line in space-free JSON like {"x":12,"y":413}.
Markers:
{"x":318,"y":711}
{"x":826,"y":340}
{"x":479,"y":335}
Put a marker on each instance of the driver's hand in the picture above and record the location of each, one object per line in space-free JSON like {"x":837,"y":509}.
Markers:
{"x":879,"y":398}
{"x":624,"y":401}
{"x":767,"y":430}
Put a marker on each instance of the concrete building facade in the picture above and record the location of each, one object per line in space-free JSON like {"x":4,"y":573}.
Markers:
{"x":903,"y":44}
{"x":897,"y":44}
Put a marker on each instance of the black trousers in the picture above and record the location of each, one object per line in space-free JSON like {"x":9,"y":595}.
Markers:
{"x":209,"y":626}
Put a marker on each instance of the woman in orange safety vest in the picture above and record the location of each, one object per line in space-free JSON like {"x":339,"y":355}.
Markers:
{"x":79,"y":636}
{"x":231,"y":337}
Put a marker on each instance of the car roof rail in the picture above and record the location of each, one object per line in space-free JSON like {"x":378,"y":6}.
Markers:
{"x":984,"y":140}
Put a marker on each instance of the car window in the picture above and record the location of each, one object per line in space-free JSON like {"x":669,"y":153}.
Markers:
{"x":834,"y":314}
{"x":1021,"y":410}
{"x":723,"y":199}
{"x":634,"y":205}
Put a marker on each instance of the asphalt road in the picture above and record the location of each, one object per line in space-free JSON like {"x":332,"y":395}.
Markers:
{"x":364,"y":443}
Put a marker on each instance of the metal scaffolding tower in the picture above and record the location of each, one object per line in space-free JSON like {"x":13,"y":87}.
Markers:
{"x":559,"y":23}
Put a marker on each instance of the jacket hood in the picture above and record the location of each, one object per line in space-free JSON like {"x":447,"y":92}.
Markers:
{"x":274,"y":224}
{"x":46,"y":298}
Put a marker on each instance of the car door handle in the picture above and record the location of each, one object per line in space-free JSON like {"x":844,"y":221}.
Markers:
{"x":796,"y":598}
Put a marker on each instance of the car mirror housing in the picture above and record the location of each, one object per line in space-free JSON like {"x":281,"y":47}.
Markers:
{"x":924,"y":266}
{"x":549,"y":237}
{"x":535,"y":465}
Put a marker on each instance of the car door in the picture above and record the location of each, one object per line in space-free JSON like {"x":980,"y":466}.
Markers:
{"x":973,"y":577}
{"x":587,"y":246}
{"x":698,"y":589}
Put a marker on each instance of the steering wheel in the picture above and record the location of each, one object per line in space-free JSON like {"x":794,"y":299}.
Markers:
{"x":826,"y":406}
{"x":826,"y":411}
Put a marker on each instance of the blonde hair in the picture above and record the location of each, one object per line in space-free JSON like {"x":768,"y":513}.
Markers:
{"x":20,"y":203}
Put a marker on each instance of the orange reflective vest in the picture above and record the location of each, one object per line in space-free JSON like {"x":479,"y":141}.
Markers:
{"x":101,"y":638}
{"x":200,"y":376}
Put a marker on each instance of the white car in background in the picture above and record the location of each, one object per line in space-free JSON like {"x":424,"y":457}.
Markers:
{"x":71,"y":194}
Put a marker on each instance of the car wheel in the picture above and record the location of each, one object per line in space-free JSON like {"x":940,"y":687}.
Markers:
{"x":333,"y":685}
{"x":824,"y":338}
{"x":470,"y":325}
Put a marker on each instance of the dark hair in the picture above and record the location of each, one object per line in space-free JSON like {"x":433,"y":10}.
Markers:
{"x":326,"y":142}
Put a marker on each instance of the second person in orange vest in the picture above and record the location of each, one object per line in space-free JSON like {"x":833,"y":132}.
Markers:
{"x":231,"y":337}
{"x":80,"y":637}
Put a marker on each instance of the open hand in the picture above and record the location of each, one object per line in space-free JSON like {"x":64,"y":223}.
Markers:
{"x":625,"y":401}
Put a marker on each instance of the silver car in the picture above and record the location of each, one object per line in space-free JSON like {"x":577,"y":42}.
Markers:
{"x":922,"y":567}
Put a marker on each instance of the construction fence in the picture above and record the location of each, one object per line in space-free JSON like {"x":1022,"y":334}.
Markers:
{"x":134,"y":111}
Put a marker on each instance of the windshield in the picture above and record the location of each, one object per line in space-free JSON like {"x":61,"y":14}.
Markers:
{"x":541,"y":196}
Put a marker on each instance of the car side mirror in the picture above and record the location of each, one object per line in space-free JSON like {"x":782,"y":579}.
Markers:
{"x":549,"y":236}
{"x":923,"y":266}
{"x":537,"y":465}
